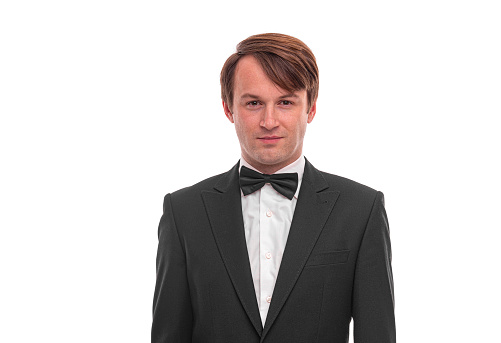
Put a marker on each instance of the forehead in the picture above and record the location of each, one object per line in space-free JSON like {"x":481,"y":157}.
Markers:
{"x":249,"y":71}
{"x":251,"y":78}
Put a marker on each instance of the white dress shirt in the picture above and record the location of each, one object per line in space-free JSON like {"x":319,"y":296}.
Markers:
{"x":267,"y":218}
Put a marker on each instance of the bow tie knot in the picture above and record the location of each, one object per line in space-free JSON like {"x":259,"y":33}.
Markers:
{"x":285,"y":184}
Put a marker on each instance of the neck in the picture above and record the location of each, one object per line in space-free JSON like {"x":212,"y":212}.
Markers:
{"x":270,"y":168}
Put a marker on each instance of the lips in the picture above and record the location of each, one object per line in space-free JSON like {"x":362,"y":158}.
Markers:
{"x":270,"y":139}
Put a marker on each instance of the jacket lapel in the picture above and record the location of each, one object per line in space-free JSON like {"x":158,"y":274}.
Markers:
{"x":314,"y":205}
{"x":224,"y":209}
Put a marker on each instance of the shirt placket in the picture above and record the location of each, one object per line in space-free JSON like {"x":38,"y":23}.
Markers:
{"x":268,"y":269}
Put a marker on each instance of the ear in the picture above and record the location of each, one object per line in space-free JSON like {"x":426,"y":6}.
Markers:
{"x":313,"y":111}
{"x":227,"y":111}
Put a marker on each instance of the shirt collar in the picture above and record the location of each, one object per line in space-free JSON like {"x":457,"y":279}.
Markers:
{"x":295,"y":167}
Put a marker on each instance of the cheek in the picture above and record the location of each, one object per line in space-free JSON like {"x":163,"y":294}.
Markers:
{"x":301,"y":131}
{"x":299,"y":127}
{"x":243,"y":128}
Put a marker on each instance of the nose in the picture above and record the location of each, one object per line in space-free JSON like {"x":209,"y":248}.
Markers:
{"x":270,"y":119}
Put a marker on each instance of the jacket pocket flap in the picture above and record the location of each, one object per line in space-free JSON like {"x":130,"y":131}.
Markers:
{"x":332,"y":257}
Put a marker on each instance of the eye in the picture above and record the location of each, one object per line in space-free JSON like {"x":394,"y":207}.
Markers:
{"x":253,"y":103}
{"x":286,"y":102}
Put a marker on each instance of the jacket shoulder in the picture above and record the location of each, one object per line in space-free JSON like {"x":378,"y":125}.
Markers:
{"x":187,"y":197}
{"x":349,"y":187}
{"x":195,"y":189}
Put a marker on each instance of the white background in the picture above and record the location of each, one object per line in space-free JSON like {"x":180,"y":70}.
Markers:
{"x":108,"y":105}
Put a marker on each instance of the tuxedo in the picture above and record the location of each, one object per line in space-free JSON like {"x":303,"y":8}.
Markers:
{"x":336,"y":266}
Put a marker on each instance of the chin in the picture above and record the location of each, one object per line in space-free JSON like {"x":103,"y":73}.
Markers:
{"x":268,"y":157}
{"x":270,"y":160}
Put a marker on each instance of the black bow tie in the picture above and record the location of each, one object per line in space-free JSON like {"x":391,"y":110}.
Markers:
{"x":251,"y":181}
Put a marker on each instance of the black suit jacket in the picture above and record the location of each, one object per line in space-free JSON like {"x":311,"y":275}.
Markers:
{"x":336,"y":265}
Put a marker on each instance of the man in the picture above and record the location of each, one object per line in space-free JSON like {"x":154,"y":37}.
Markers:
{"x":248,"y":257}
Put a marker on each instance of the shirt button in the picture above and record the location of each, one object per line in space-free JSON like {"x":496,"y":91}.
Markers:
{"x":268,"y":255}
{"x":268,"y":300}
{"x":269,"y":213}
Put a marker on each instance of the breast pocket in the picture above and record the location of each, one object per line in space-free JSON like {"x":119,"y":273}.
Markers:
{"x":327,"y":258}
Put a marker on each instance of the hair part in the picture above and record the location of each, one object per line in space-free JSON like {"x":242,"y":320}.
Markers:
{"x":286,"y":60}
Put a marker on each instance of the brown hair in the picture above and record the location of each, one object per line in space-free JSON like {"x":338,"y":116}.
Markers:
{"x":286,"y":60}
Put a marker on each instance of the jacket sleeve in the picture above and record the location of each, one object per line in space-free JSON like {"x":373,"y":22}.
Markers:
{"x":172,"y":311}
{"x":373,"y":300}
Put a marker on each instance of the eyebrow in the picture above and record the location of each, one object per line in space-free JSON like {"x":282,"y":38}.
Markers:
{"x":288,"y":95}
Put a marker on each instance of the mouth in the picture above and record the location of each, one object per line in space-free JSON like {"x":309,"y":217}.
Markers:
{"x":270,"y":139}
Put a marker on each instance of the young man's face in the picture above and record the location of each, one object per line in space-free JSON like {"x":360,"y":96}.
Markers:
{"x":270,"y":122}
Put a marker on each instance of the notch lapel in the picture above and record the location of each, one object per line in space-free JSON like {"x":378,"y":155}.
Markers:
{"x":224,"y":209}
{"x":314,"y":205}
